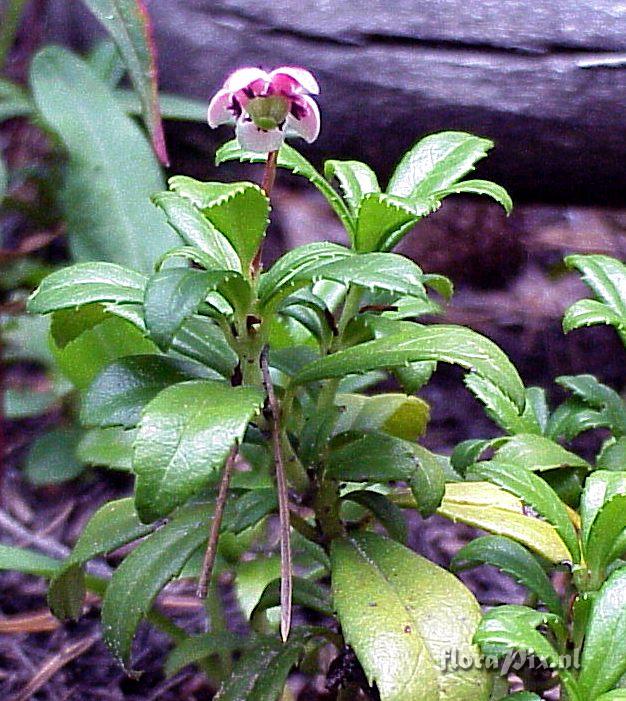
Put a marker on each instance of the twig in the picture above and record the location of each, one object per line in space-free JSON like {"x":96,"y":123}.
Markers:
{"x":38,"y":622}
{"x":269,"y":175}
{"x":286,"y":574}
{"x":53,"y":664}
{"x":216,"y":524}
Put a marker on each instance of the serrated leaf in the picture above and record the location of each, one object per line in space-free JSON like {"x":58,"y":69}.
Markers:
{"x":499,"y":407}
{"x":604,"y":652}
{"x":52,"y":457}
{"x":174,"y":295}
{"x":437,"y":162}
{"x":202,"y":340}
{"x":128,"y":24}
{"x":119,"y":393}
{"x":514,"y":628}
{"x":613,"y":455}
{"x":107,"y":208}
{"x":537,"y":453}
{"x":600,"y":397}
{"x":185,"y":435}
{"x":113,"y":525}
{"x":197,"y":231}
{"x":535,"y":492}
{"x":479,"y":187}
{"x":402,"y":618}
{"x":490,"y":508}
{"x":600,"y":486}
{"x":387,"y":513}
{"x":377,"y":457}
{"x":383,"y":219}
{"x":296,"y":268}
{"x":238,"y":210}
{"x":513,"y":559}
{"x":451,"y":344}
{"x":589,"y":312}
{"x":355,"y":178}
{"x":608,"y":524}
{"x":86,"y":283}
{"x":143,"y":573}
{"x":107,"y":447}
{"x":290,"y":159}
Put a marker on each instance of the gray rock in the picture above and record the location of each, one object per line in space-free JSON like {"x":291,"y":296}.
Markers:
{"x":545,"y":80}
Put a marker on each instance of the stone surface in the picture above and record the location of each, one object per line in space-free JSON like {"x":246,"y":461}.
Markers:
{"x":392,"y":70}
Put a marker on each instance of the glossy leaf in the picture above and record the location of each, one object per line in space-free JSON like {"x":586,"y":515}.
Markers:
{"x":600,"y":486}
{"x":197,"y":231}
{"x":200,"y":647}
{"x":119,"y":393}
{"x":238,"y":210}
{"x":202,"y":340}
{"x":107,"y":447}
{"x":513,"y":559}
{"x":605,"y":529}
{"x":185,"y":435}
{"x":290,"y":159}
{"x":604,"y":652}
{"x":403,"y":616}
{"x":479,"y":187}
{"x":305,"y":593}
{"x":107,"y":208}
{"x":437,"y":162}
{"x":13,"y":558}
{"x":452,"y":344}
{"x":86,"y":283}
{"x":608,"y":403}
{"x":535,"y":492}
{"x":142,"y":575}
{"x":356,"y":180}
{"x":173,"y":295}
{"x":499,"y":407}
{"x":537,"y":453}
{"x":128,"y":24}
{"x":113,"y":525}
{"x":389,"y":515}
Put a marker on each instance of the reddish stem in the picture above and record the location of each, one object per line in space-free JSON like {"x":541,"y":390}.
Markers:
{"x":269,"y":175}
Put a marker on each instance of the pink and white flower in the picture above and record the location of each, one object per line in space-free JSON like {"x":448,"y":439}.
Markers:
{"x":266,"y":107}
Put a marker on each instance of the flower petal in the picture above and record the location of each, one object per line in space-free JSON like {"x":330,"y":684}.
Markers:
{"x":308,"y":124}
{"x":219,"y":112}
{"x":242,"y":77}
{"x":301,"y":76}
{"x":252,"y":138}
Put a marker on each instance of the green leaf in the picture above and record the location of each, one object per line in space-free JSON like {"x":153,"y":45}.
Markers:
{"x":251,"y":579}
{"x":479,"y":187}
{"x":613,"y":455}
{"x":106,"y":62}
{"x":290,"y":159}
{"x":261,"y":672}
{"x":107,"y":447}
{"x":20,"y":403}
{"x":119,"y":393}
{"x":514,"y":628}
{"x":296,"y":268}
{"x":499,"y":407}
{"x":143,"y":573}
{"x":615,"y":695}
{"x":305,"y":593}
{"x":398,"y":415}
{"x":513,"y":559}
{"x":197,"y":231}
{"x":377,"y":457}
{"x":383,"y":219}
{"x":14,"y":101}
{"x":173,"y":295}
{"x":52,"y":457}
{"x":128,"y":24}
{"x":451,"y":344}
{"x":602,"y":398}
{"x":486,"y":506}
{"x":604,"y":652}
{"x":355,"y":178}
{"x":437,"y":162}
{"x":535,"y":492}
{"x":107,"y":208}
{"x":113,"y":525}
{"x":83,"y":357}
{"x":238,"y":210}
{"x":537,"y":453}
{"x":607,"y":526}
{"x":600,"y":486}
{"x":199,"y":647}
{"x":17,"y":559}
{"x":389,"y":515}
{"x":403,"y":616}
{"x":589,"y":312}
{"x":86,"y":283}
{"x":184,"y":437}
{"x":202,"y":340}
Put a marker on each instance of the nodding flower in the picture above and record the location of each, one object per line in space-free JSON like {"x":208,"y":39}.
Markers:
{"x":267,"y":107}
